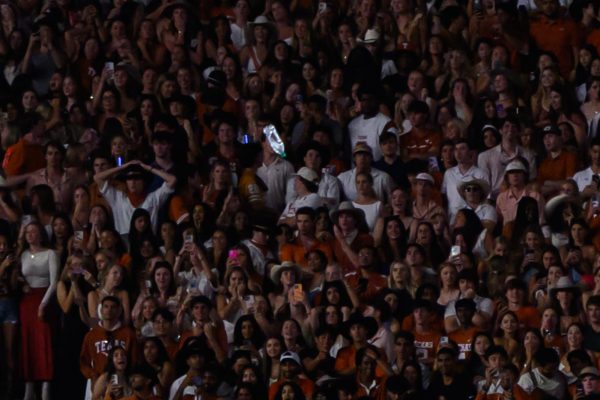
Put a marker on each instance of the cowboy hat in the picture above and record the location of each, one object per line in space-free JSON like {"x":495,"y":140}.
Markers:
{"x":557,"y":201}
{"x":308,"y":174}
{"x":564,"y":284}
{"x":371,"y":36}
{"x":485,"y":187}
{"x":260,"y":20}
{"x":278,"y":269}
{"x":348,"y":207}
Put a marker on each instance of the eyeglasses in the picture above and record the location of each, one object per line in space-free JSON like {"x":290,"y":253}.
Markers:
{"x":472,"y":189}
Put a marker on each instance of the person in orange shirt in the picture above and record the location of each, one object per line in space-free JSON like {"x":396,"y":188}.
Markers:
{"x":420,"y":143}
{"x":162,"y":323}
{"x":369,"y":385}
{"x":465,"y":310}
{"x":350,"y":235}
{"x":426,"y":338}
{"x":27,"y":155}
{"x":212,"y":333}
{"x":507,"y":387}
{"x":366,"y":281}
{"x":305,"y":241}
{"x":359,"y":330}
{"x":516,"y":294}
{"x":291,"y":367}
{"x":559,"y":163}
{"x":553,"y":32}
{"x":102,"y":338}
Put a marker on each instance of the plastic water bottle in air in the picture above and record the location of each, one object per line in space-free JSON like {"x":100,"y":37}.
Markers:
{"x":275,"y":141}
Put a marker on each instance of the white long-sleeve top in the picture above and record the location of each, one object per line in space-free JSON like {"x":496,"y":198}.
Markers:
{"x":40,"y":270}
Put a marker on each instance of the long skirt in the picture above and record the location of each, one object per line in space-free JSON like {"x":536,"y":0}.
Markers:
{"x":36,"y":338}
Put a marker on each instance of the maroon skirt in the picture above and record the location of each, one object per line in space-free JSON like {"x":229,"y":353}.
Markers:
{"x":36,"y":338}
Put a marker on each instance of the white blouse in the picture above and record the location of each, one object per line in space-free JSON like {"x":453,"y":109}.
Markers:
{"x":40,"y":270}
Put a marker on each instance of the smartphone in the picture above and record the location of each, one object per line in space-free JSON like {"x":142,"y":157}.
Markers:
{"x":119,"y":161}
{"x":298,"y":293}
{"x":233,"y":254}
{"x":189,"y":238}
{"x":148,"y":283}
{"x":77,"y":270}
{"x":110,"y":66}
{"x":78,"y":235}
{"x":455,"y":251}
{"x":322,"y":7}
{"x":114,"y":379}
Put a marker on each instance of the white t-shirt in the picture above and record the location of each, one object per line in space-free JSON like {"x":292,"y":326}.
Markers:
{"x":329,"y":190}
{"x":275,"y":176}
{"x":368,"y":131}
{"x":175,"y":386}
{"x":483,"y":305}
{"x":583,"y":178}
{"x":312,"y":200}
{"x":122,"y":208}
{"x":257,"y":256}
{"x":238,"y":36}
{"x":383,"y":184}
{"x":372,"y":212}
{"x":555,"y":386}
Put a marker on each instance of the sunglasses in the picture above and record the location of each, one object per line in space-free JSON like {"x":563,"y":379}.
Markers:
{"x":472,"y":189}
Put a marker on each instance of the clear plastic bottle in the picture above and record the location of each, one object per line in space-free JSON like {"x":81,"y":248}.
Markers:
{"x":274,"y":139}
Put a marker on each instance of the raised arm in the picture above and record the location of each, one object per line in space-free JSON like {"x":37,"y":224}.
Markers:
{"x":170,"y":179}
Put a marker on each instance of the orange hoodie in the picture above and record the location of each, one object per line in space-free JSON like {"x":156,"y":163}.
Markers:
{"x":97,"y":344}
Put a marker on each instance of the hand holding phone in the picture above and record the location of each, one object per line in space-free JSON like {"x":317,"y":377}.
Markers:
{"x":298,"y":292}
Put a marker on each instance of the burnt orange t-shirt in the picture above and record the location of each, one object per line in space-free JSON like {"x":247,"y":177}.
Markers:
{"x":559,"y":36}
{"x":22,"y":158}
{"x":529,"y":317}
{"x":417,"y":145}
{"x":346,"y":358}
{"x":557,"y":169}
{"x":296,"y":251}
{"x":426,"y":345}
{"x":463,"y":338}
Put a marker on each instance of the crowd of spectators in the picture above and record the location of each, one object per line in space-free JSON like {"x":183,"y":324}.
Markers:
{"x":299,"y":199}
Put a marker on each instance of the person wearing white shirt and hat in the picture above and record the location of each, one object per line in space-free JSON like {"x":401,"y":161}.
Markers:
{"x":306,"y":186}
{"x":383,"y":184}
{"x":370,"y":124}
{"x":474,"y":191}
{"x":464,"y":170}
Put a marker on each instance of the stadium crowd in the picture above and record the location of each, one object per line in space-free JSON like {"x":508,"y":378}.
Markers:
{"x":300,"y":199}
